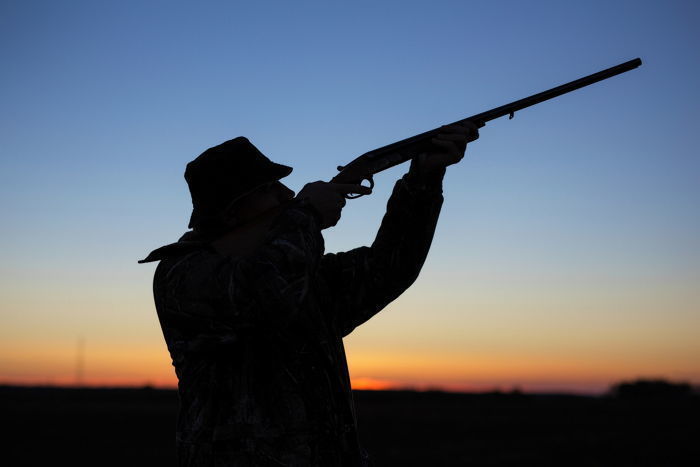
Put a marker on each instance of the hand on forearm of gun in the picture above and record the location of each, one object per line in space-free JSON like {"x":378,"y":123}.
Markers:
{"x":448,"y":148}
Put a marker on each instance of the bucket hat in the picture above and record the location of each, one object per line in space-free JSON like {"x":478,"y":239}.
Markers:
{"x":225,"y":173}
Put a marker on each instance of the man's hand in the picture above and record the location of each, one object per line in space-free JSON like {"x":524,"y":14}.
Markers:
{"x":449,"y":146}
{"x":328,"y":199}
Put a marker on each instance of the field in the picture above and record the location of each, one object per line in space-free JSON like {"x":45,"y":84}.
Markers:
{"x":134,"y":427}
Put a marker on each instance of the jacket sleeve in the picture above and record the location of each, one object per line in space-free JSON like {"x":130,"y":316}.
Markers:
{"x":365,"y":280}
{"x":208,"y":292}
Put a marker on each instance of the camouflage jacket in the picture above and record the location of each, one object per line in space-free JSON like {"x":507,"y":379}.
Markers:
{"x":256,"y":341}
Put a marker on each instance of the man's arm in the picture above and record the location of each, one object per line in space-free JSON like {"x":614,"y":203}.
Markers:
{"x":364,"y":280}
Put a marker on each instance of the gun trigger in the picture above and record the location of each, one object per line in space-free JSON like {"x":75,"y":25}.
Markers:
{"x":357,"y":195}
{"x":510,"y":117}
{"x":340,"y":168}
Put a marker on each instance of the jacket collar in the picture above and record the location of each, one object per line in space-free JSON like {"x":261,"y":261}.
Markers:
{"x":190,"y":241}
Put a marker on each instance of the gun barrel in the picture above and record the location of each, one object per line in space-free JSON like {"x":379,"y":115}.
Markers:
{"x":511,"y":108}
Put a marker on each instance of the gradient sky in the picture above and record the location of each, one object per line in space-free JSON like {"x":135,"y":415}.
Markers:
{"x":568,"y":251}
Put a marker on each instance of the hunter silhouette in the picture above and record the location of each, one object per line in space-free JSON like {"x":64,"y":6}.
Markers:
{"x":253,"y":312}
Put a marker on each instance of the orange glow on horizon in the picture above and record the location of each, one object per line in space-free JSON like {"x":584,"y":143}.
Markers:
{"x":372,"y":384}
{"x":109,"y":365}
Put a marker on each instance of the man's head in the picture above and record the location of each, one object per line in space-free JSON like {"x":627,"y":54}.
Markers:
{"x":233,"y":177}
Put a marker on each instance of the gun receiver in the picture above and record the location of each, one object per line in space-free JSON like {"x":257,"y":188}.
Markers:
{"x":372,"y":162}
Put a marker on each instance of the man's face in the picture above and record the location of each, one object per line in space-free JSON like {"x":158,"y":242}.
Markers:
{"x":262,"y":199}
{"x":276,"y":193}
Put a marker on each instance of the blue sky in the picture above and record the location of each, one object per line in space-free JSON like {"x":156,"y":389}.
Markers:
{"x":593,"y":194}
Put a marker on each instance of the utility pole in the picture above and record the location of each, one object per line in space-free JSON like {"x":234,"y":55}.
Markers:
{"x":80,"y":362}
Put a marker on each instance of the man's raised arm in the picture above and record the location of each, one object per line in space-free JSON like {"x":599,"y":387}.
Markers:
{"x":364,"y":280}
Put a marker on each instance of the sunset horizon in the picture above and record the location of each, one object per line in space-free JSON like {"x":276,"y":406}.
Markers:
{"x":152,"y":372}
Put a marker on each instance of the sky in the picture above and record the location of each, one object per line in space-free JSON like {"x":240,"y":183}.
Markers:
{"x":567,"y":256}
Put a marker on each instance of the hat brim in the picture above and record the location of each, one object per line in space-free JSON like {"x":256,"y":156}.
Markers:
{"x":281,"y":171}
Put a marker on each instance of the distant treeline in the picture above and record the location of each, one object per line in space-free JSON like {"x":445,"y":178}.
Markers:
{"x":653,"y":388}
{"x":634,"y":389}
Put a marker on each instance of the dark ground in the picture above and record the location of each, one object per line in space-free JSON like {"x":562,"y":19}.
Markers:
{"x":134,"y":427}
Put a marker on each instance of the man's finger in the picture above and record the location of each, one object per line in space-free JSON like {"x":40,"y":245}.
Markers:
{"x":472,"y":125}
{"x":449,"y":146}
{"x":471,"y":131}
{"x":461,"y":126}
{"x":347,"y":188}
{"x":452,"y":136}
{"x":451,"y":129}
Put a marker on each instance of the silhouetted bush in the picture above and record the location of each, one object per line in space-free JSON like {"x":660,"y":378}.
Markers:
{"x":651,"y":389}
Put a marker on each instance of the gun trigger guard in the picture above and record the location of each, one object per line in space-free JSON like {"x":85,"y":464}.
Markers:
{"x":357,"y":195}
{"x":510,"y":117}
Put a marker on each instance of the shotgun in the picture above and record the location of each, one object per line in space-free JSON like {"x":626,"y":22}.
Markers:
{"x":365,"y":166}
